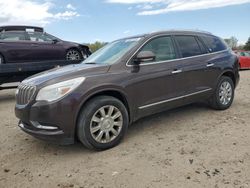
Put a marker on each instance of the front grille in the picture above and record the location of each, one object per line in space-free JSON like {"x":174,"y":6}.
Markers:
{"x":25,"y":94}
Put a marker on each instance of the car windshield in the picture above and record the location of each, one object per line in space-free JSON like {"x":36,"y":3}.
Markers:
{"x":111,"y":52}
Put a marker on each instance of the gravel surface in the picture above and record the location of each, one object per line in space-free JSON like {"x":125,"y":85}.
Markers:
{"x":192,"y":146}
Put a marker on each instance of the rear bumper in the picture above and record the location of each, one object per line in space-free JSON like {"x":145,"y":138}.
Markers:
{"x":16,"y":72}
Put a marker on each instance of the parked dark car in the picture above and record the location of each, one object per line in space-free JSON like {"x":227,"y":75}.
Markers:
{"x":126,"y":80}
{"x":28,"y":50}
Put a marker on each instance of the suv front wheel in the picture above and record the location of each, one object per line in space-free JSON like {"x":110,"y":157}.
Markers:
{"x":102,"y":123}
{"x":223,"y":97}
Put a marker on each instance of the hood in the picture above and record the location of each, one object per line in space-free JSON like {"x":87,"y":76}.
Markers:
{"x":71,"y":43}
{"x":65,"y":73}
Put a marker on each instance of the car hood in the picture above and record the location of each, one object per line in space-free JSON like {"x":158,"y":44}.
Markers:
{"x":71,"y":43}
{"x":65,"y":73}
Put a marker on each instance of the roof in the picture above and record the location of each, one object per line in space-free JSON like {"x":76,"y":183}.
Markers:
{"x":20,"y":28}
{"x":186,"y":32}
{"x":171,"y":32}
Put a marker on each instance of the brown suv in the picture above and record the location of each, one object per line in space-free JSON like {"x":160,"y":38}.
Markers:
{"x":127,"y":79}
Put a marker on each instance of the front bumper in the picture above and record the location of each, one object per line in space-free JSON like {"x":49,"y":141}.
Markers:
{"x":50,"y":122}
{"x":56,"y":136}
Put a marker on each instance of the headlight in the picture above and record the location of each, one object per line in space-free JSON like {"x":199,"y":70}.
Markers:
{"x":59,"y":90}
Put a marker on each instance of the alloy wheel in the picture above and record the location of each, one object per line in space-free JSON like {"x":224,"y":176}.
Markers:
{"x":225,"y":93}
{"x":73,"y":55}
{"x":106,"y":124}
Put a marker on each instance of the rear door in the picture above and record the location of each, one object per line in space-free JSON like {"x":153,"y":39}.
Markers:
{"x":194,"y":64}
{"x":216,"y":59}
{"x":14,"y":46}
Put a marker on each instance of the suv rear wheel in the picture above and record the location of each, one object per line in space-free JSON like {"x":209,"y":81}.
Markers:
{"x":224,"y":94}
{"x":102,"y":123}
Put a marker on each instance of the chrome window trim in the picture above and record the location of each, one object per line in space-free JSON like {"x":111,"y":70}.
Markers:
{"x":177,"y":59}
{"x":175,"y":98}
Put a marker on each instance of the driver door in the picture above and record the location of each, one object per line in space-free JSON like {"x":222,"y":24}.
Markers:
{"x":44,"y":48}
{"x":158,"y":84}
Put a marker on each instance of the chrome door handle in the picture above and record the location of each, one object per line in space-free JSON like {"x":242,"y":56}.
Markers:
{"x":176,"y":71}
{"x":210,"y":64}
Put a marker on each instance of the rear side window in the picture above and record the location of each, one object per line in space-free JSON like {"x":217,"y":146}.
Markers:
{"x":188,"y":46}
{"x":162,"y":47}
{"x":12,"y":36}
{"x":214,"y":44}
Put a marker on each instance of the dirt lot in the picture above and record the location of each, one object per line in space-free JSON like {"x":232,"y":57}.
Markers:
{"x":191,"y":147}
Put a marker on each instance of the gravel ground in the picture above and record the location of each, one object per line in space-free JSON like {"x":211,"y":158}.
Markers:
{"x":192,"y":146}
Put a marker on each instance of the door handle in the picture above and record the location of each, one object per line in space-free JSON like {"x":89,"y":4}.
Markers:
{"x":176,"y":71}
{"x":34,"y":45}
{"x":210,"y":64}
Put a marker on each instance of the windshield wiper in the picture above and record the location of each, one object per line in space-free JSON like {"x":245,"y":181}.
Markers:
{"x":90,"y":63}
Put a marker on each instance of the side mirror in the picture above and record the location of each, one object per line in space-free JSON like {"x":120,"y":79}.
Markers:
{"x":144,"y":56}
{"x":54,"y":41}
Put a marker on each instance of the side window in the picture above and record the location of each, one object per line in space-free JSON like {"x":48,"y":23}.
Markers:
{"x":162,"y":47}
{"x":48,"y":37}
{"x":188,"y":46}
{"x":213,"y":43}
{"x":202,"y":47}
{"x":12,"y":36}
{"x":39,"y":37}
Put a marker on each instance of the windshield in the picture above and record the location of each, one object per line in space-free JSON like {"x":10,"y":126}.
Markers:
{"x":110,"y":53}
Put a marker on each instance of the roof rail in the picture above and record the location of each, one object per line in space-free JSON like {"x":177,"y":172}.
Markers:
{"x":185,"y":30}
{"x":21,"y":28}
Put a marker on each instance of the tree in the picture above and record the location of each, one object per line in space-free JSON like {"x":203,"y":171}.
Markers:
{"x":247,"y":45}
{"x":96,"y":46}
{"x":232,"y":42}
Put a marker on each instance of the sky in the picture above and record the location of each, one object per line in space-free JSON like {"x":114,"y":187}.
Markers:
{"x":87,"y":21}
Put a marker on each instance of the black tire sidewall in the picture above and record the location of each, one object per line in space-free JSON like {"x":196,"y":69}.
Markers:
{"x":217,"y":97}
{"x":84,"y":134}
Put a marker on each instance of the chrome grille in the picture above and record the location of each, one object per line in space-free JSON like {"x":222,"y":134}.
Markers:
{"x":24,"y":94}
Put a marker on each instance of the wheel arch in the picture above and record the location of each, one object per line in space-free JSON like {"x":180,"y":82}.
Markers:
{"x":74,"y":48}
{"x":230,"y":74}
{"x":108,"y":92}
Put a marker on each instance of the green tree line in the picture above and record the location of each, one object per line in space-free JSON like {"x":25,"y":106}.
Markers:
{"x":96,"y":46}
{"x":233,"y":43}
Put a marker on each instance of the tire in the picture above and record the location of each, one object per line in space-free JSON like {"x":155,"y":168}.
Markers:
{"x":1,"y":59}
{"x":73,"y":54}
{"x":223,"y":97}
{"x":91,"y":123}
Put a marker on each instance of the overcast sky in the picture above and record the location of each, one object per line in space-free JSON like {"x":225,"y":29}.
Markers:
{"x":106,"y":20}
